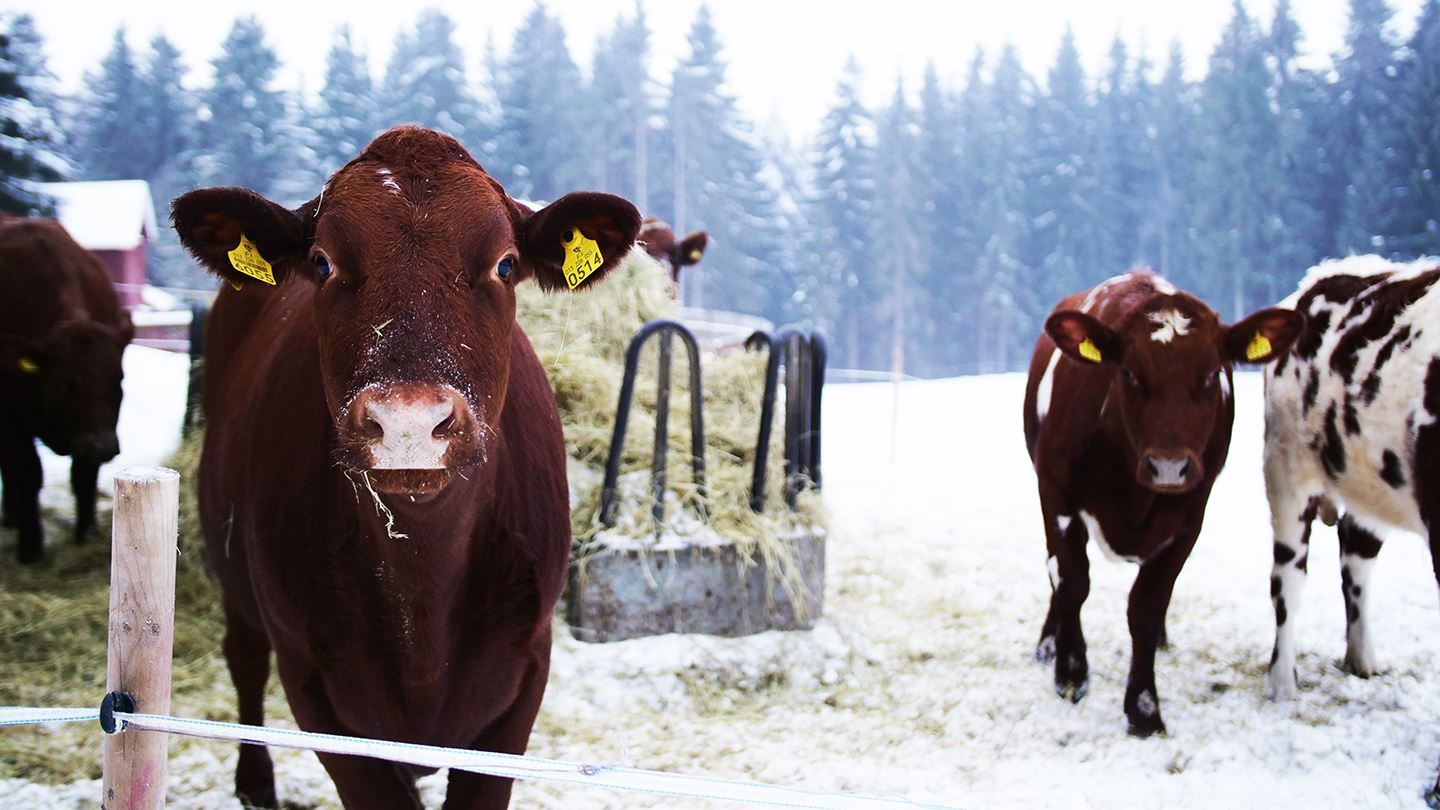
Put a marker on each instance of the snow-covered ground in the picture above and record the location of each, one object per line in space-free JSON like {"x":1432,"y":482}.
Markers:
{"x":919,"y":680}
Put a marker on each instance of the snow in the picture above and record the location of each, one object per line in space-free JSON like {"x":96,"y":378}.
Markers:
{"x":918,"y":682}
{"x":105,"y":214}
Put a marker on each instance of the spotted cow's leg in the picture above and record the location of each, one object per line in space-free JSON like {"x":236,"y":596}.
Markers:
{"x":1071,"y":533}
{"x":1290,"y":518}
{"x":1149,"y":602}
{"x":1358,"y":547}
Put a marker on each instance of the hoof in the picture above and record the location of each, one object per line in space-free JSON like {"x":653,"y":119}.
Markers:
{"x":1281,"y":687}
{"x":1146,"y":727}
{"x":1045,"y":650}
{"x":30,"y":556}
{"x":1360,"y":667}
{"x":1071,"y":691}
{"x":9,"y":521}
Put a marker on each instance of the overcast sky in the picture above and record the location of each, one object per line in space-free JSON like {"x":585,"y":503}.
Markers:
{"x":784,"y":55}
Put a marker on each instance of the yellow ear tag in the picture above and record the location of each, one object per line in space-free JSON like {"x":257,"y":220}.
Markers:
{"x":694,"y":256}
{"x":582,"y":257}
{"x":1089,"y":350}
{"x":247,"y":259}
{"x":1259,"y":348}
{"x":28,"y":366}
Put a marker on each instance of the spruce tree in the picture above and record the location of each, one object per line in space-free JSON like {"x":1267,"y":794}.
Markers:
{"x":1363,"y":128}
{"x":1063,"y":202}
{"x":347,"y":115}
{"x":1239,"y":133}
{"x":621,"y":106}
{"x":29,"y":137}
{"x":1414,"y":229}
{"x":544,"y":134}
{"x":845,"y":211}
{"x":249,"y":139}
{"x":943,"y":223}
{"x":425,"y":81}
{"x":723,"y":180}
{"x":111,"y":143}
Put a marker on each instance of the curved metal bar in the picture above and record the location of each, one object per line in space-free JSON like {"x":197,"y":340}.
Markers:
{"x":666,"y":329}
{"x":819,"y":354}
{"x":764,"y":340}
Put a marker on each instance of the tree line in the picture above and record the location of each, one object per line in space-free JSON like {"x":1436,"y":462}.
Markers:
{"x":942,"y":224}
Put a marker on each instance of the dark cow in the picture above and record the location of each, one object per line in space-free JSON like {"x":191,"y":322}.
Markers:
{"x":658,"y":238}
{"x":1128,"y":413}
{"x":62,"y":334}
{"x":382,"y":485}
{"x":1350,"y":426}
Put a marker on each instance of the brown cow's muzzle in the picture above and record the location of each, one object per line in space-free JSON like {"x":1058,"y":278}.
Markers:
{"x":1170,"y":471}
{"x":410,"y":438}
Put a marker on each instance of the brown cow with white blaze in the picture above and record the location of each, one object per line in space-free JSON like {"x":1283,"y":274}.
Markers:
{"x":1128,"y":413}
{"x":382,"y":486}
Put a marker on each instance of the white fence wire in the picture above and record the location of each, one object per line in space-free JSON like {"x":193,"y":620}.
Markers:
{"x":509,"y":766}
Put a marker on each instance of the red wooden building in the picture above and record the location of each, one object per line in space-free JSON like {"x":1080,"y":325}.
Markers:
{"x":115,"y":220}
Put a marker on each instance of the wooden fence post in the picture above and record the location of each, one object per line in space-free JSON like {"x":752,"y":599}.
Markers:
{"x":142,"y":630}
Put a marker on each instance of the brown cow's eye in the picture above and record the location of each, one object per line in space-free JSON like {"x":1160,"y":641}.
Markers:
{"x":322,"y":265}
{"x":1213,"y":379}
{"x":504,"y":267}
{"x":1129,"y":377}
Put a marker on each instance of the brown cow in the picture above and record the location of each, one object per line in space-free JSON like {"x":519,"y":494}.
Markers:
{"x":62,"y":334}
{"x":659,"y":241}
{"x":1128,"y":413}
{"x":382,"y":485}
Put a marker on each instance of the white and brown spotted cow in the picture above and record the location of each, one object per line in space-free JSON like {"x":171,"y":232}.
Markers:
{"x":1350,"y":427}
{"x":1127,"y":418}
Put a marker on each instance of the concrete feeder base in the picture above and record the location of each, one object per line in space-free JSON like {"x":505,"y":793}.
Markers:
{"x":624,"y":594}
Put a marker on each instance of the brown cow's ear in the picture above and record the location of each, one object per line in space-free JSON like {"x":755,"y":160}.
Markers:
{"x":577,"y":239}
{"x":242,"y":237}
{"x":693,"y":248}
{"x":1082,"y":338}
{"x":1263,"y":336}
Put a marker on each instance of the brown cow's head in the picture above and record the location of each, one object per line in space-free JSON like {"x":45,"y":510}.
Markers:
{"x":659,"y":240}
{"x":415,"y":253}
{"x":1171,"y":362}
{"x":71,"y":383}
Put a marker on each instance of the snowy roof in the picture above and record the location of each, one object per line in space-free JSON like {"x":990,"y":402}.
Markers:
{"x":107,"y":214}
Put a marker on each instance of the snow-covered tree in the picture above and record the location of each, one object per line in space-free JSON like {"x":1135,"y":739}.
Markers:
{"x":1414,"y":227}
{"x":247,"y":135}
{"x":844,"y":216}
{"x":425,"y":81}
{"x":544,"y":133}
{"x":347,"y":116}
{"x":110,"y":143}
{"x":622,"y":105}
{"x":29,"y":138}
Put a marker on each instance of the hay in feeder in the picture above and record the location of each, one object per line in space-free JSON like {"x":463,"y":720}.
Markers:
{"x":581,"y":340}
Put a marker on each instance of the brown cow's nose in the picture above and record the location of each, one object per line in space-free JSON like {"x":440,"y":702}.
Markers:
{"x":410,"y":427}
{"x":1170,"y":471}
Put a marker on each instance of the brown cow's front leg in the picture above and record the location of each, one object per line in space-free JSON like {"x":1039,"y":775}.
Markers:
{"x":22,"y":478}
{"x":247,"y":653}
{"x":509,"y":734}
{"x":83,"y":474}
{"x":363,"y":783}
{"x":1149,"y":602}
